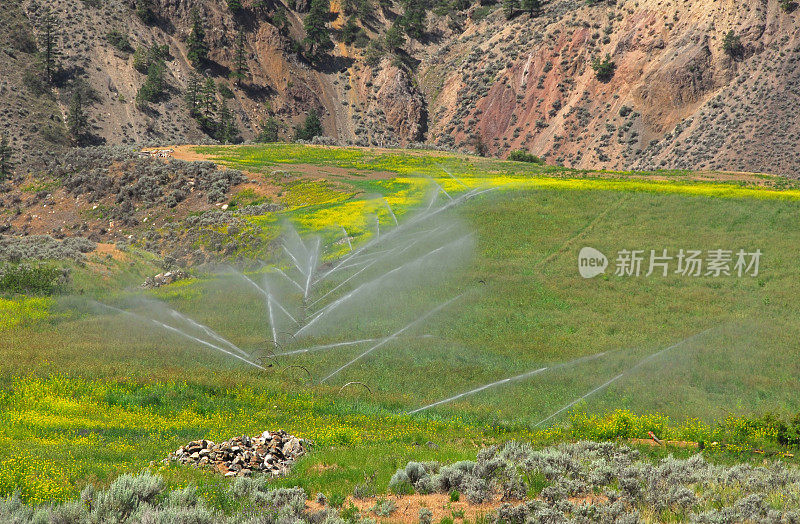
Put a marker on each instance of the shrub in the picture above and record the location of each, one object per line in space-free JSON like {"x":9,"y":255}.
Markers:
{"x":425,"y":516}
{"x":43,"y":247}
{"x":124,"y":496}
{"x":732,"y":44}
{"x":363,"y":490}
{"x":604,"y":69}
{"x":31,"y":279}
{"x":523,"y":156}
{"x":119,"y":40}
{"x":400,"y":483}
{"x":384,"y":507}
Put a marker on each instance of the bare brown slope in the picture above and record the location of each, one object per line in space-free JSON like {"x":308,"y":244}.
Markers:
{"x":676,"y":98}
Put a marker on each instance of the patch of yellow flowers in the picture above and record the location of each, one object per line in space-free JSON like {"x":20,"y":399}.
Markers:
{"x":16,"y":312}
{"x":57,"y":432}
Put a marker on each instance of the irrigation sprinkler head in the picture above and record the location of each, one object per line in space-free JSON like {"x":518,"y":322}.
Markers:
{"x":310,"y":376}
{"x":285,"y":333}
{"x":354,"y":383}
{"x":266,"y":357}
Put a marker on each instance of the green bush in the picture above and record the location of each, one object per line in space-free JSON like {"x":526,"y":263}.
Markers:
{"x":523,"y":156}
{"x":41,"y":279}
{"x":732,"y":44}
{"x":311,"y":127}
{"x":604,"y":69}
{"x":119,"y":40}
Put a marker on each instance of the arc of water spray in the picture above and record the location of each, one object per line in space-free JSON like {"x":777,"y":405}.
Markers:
{"x":333,"y":305}
{"x":334,"y":345}
{"x":627,"y":371}
{"x":406,"y":225}
{"x":207,"y":330}
{"x":181,"y":333}
{"x":392,"y":336}
{"x":294,"y":260}
{"x":371,"y":263}
{"x":433,"y":201}
{"x":442,"y":189}
{"x":287,"y":277}
{"x":508,"y":380}
{"x":375,"y":256}
{"x":345,"y":281}
{"x":452,"y":176}
{"x":270,"y":300}
{"x":479,"y":389}
{"x":389,"y":207}
{"x":274,"y":301}
{"x":326,"y":346}
{"x":347,"y":237}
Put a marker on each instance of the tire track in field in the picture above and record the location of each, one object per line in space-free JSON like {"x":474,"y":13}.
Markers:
{"x":552,"y":256}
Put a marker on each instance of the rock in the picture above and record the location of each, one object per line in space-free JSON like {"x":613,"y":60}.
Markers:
{"x":270,"y":452}
{"x":162,"y":279}
{"x":290,"y":447}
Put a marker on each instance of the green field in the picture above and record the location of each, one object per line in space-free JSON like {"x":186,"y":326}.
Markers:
{"x":112,"y":393}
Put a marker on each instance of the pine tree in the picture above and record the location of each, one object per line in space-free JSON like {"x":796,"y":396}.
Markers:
{"x":270,"y":131}
{"x":280,"y":19}
{"x":145,"y":10}
{"x":77,"y":121}
{"x":196,"y":43}
{"x":6,"y":158}
{"x":154,"y":84}
{"x":193,"y":94}
{"x":532,"y":6}
{"x":413,"y":19}
{"x":312,"y":126}
{"x":395,"y":39}
{"x":508,"y":8}
{"x":240,"y":60}
{"x":50,"y":54}
{"x":318,"y":36}
{"x":226,"y":124}
{"x":209,"y":99}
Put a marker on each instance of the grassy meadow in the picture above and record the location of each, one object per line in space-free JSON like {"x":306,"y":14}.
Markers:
{"x":88,"y":395}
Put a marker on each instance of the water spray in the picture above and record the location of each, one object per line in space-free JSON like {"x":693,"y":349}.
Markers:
{"x":333,"y":305}
{"x":393,"y":336}
{"x":207,"y":330}
{"x":287,"y":277}
{"x":181,"y":333}
{"x":522,"y":376}
{"x":347,"y":237}
{"x":391,"y":212}
{"x":624,"y":373}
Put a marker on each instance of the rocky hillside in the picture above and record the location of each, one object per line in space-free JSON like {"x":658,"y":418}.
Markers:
{"x":670,"y":94}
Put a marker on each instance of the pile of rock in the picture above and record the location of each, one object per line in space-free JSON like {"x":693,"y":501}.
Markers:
{"x":272,"y":453}
{"x":162,"y":279}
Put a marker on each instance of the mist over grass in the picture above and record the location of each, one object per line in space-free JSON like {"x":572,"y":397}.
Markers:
{"x":525,"y":307}
{"x":510,"y":258}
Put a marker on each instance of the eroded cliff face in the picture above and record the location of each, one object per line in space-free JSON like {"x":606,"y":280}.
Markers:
{"x":676,"y":98}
